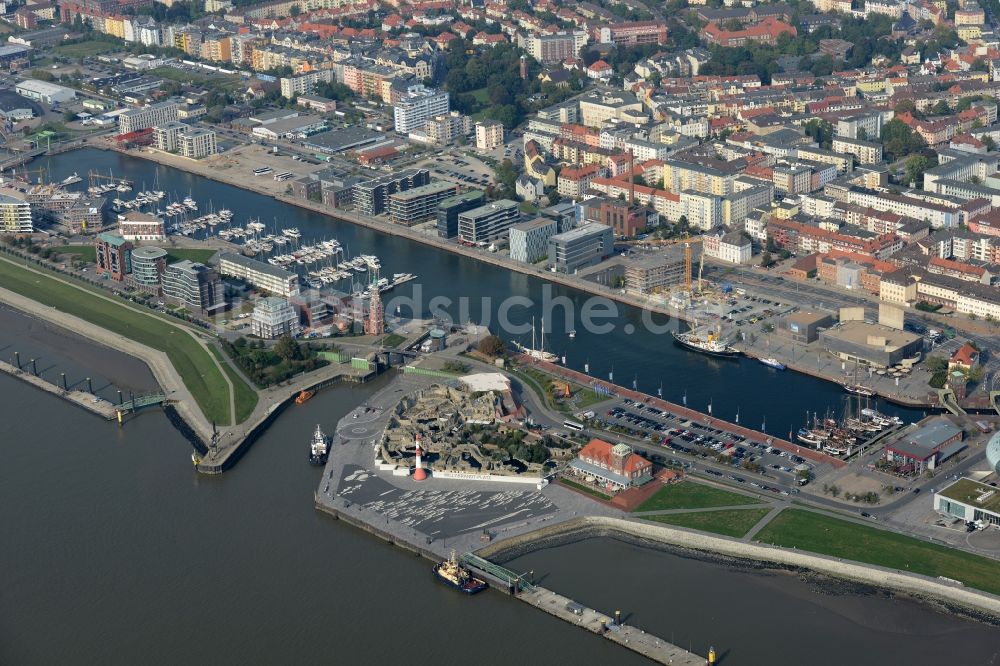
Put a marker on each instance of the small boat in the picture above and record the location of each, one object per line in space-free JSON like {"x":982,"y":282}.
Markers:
{"x":319,"y":448}
{"x":773,"y":363}
{"x":303,"y":396}
{"x":572,"y":335}
{"x":457,"y":576}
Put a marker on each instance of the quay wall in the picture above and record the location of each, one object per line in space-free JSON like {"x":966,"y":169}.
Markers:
{"x":880,"y":577}
{"x":225,"y":459}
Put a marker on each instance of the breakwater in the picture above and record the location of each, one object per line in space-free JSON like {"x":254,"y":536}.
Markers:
{"x":564,"y":608}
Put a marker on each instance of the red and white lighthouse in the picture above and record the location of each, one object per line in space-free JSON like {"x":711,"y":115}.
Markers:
{"x":419,"y":473}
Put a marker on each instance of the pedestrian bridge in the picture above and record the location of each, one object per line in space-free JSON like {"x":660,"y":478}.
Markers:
{"x":950,"y":402}
{"x":511,"y":578}
{"x":140,"y":401}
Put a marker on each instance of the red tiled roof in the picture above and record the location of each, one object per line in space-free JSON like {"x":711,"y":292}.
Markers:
{"x":965,"y":355}
{"x":597,"y":449}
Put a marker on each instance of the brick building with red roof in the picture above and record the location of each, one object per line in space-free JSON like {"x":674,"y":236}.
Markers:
{"x":613,"y":467}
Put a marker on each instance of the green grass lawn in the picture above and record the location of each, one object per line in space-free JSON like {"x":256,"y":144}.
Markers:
{"x":692,"y":495}
{"x":188,"y":357}
{"x":89,"y":253}
{"x":185,"y":76}
{"x":584,"y":489}
{"x":393,"y":340}
{"x":807,"y":530}
{"x":84,"y":49}
{"x":731,"y":522}
{"x":246,"y":397}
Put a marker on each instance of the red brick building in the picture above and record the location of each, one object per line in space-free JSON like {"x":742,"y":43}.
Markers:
{"x":611,"y":466}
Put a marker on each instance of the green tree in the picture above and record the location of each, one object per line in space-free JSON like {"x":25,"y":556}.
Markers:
{"x":288,"y":349}
{"x":492,"y":346}
{"x":905,"y":106}
{"x":766,"y":259}
{"x":898,"y":140}
{"x":821,"y":131}
{"x":941,"y":108}
{"x":915,"y":167}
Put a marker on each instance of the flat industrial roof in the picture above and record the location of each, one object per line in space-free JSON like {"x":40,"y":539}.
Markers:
{"x":857,"y":332}
{"x":968,"y":492}
{"x":927,"y":438}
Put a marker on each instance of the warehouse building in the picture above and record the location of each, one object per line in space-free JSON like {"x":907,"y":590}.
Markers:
{"x":925,"y":446}
{"x":45,"y":92}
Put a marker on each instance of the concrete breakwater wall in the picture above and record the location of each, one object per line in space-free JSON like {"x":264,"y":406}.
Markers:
{"x":880,"y":577}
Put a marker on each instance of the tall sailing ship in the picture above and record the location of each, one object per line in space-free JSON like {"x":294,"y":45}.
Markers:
{"x":539,"y":353}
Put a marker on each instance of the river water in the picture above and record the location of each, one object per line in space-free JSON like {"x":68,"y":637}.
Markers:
{"x":650,"y":360}
{"x":116,"y":551}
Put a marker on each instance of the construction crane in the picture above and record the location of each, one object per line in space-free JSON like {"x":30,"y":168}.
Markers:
{"x":701,"y":268}
{"x":688,"y":242}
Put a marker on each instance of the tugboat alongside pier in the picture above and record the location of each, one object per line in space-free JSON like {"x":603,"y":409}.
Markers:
{"x":454,"y":574}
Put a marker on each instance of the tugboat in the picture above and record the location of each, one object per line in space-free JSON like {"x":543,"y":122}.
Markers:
{"x":319,"y":449}
{"x":773,"y":363}
{"x":711,"y":344}
{"x":303,"y":396}
{"x":454,"y":574}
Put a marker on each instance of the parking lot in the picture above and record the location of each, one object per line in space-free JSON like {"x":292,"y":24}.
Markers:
{"x":459,"y":170}
{"x":724,"y":452}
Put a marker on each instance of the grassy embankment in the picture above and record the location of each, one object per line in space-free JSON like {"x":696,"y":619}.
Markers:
{"x":729,"y":522}
{"x":817,"y":533}
{"x":246,"y":397}
{"x":693,"y":495}
{"x":88,"y":253}
{"x":189,"y":358}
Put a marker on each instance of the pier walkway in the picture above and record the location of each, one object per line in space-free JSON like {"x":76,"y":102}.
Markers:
{"x":88,"y":401}
{"x":637,"y":640}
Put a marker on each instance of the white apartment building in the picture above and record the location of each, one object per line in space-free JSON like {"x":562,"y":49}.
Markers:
{"x":489,"y":135}
{"x":420,"y":105}
{"x":160,"y":113}
{"x":303,"y":84}
{"x":15,"y":215}
{"x":197,"y":142}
